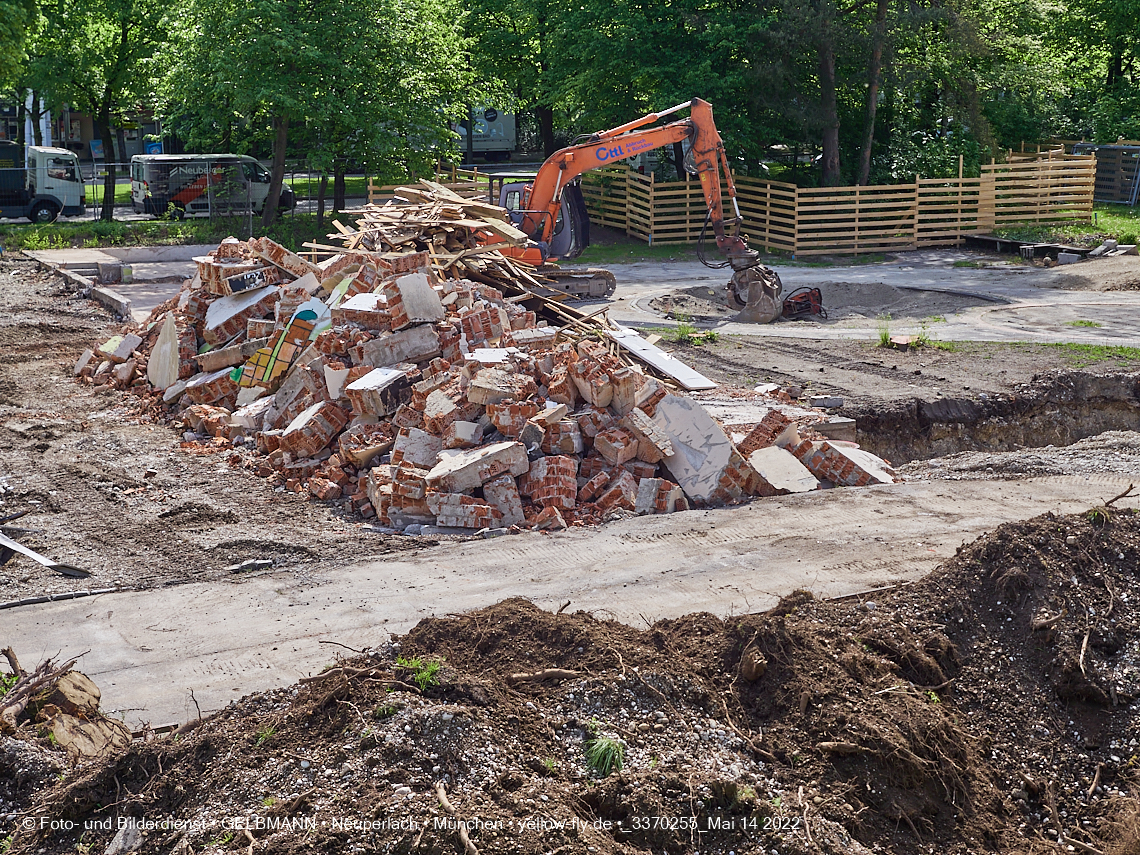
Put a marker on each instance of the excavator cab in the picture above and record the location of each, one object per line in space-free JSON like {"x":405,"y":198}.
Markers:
{"x":571,"y":233}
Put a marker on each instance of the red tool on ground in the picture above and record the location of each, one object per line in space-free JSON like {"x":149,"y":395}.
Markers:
{"x":803,"y":303}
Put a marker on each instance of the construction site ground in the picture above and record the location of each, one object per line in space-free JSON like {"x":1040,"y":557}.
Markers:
{"x":163,"y":527}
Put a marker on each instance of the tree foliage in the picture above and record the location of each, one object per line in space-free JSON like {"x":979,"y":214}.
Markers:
{"x":366,"y":82}
{"x":98,"y":56}
{"x":17,"y":19}
{"x":875,"y":90}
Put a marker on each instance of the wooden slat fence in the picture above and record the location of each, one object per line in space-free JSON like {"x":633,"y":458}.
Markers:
{"x":605,"y":196}
{"x":1047,"y":187}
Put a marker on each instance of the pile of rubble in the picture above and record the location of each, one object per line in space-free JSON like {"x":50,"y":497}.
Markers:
{"x":422,"y":377}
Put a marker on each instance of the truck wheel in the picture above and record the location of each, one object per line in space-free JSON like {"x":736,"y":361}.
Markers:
{"x":43,"y":212}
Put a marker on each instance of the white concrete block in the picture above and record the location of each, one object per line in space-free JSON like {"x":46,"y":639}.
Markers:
{"x":419,"y":448}
{"x":162,"y":367}
{"x":420,"y":300}
{"x":701,"y":449}
{"x":463,"y":471}
{"x":414,"y":344}
{"x":782,"y":471}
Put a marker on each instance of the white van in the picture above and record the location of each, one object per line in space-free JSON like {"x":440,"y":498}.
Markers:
{"x":201,"y":185}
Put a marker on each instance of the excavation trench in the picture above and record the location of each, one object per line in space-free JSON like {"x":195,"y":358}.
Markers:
{"x":1055,"y":409}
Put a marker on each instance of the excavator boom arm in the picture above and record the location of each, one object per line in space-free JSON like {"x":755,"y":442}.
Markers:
{"x":707,"y":149}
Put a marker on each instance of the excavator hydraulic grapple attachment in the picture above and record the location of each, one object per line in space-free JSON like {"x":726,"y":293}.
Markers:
{"x":756,"y":292}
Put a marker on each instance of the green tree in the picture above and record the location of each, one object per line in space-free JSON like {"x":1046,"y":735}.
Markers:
{"x":369,"y":83}
{"x":96,"y":55}
{"x":17,"y":19}
{"x":515,"y":51}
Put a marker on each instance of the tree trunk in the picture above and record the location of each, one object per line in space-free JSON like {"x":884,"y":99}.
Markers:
{"x":37,"y":115}
{"x":322,"y":189}
{"x":21,"y":119}
{"x":679,"y":160}
{"x":1115,"y":65}
{"x":545,"y":116}
{"x":338,"y":186}
{"x":874,"y":80}
{"x":830,"y":108}
{"x":103,"y":126}
{"x":121,"y":146}
{"x":280,"y":138}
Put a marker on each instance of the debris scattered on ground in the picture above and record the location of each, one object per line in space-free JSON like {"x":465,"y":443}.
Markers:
{"x":993,"y":706}
{"x":421,"y":377}
{"x":1112,"y":248}
{"x":9,"y":547}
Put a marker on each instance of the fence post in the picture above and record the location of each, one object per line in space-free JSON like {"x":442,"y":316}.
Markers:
{"x":652,"y":207}
{"x":916,"y":211}
{"x":625,"y":178}
{"x":795,"y":222}
{"x":987,"y":200}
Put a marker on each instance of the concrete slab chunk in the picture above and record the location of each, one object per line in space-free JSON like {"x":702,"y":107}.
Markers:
{"x":701,"y":449}
{"x":162,"y":367}
{"x":118,"y":348}
{"x":235,"y":310}
{"x":421,"y":301}
{"x":781,"y":472}
{"x":379,"y":392}
{"x":417,"y":447}
{"x":837,"y":428}
{"x":83,"y":361}
{"x":414,"y":344}
{"x":460,"y":471}
{"x":227,"y":357}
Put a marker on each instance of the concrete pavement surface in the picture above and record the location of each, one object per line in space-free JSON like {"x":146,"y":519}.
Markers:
{"x":148,"y":649}
{"x":1019,"y":304}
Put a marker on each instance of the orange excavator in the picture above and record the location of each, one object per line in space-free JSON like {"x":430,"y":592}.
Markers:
{"x":551,"y":211}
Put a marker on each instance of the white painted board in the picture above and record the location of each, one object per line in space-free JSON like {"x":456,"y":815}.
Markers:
{"x":690,"y":379}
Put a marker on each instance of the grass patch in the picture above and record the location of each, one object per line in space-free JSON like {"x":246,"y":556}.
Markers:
{"x":1110,"y":220}
{"x":967,"y":263}
{"x":94,"y":193}
{"x":7,"y":681}
{"x":948,"y":346}
{"x":264,"y":735}
{"x":1080,"y":355}
{"x":604,"y":754}
{"x":685,"y":333}
{"x":423,"y":674}
{"x":291,"y":231}
{"x":1092,"y":324}
{"x":884,"y":331}
{"x":306,"y":187}
{"x":626,"y":253}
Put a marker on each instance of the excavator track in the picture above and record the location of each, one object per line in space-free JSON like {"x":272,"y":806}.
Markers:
{"x":581,"y":283}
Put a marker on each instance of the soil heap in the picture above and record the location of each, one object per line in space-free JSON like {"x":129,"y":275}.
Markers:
{"x":994,"y":706}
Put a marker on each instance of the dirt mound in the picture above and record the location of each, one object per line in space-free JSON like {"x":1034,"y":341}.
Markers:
{"x":991,"y":707}
{"x":841,"y":300}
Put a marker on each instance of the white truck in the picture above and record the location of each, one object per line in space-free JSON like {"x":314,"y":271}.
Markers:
{"x":47,"y":186}
{"x":495,"y":135}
